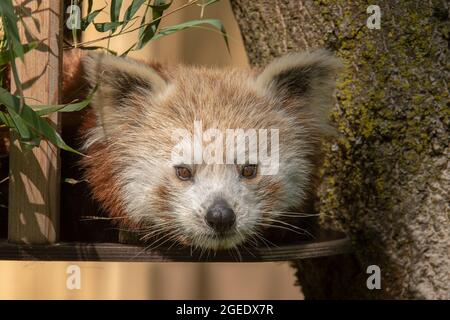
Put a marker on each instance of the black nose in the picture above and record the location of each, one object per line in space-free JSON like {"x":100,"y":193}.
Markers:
{"x":220,"y":216}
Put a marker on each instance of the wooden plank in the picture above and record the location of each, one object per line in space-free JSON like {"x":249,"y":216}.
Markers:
{"x":34,"y":176}
{"x":137,"y":253}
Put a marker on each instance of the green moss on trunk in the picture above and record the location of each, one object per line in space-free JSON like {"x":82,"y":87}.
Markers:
{"x":386,"y":179}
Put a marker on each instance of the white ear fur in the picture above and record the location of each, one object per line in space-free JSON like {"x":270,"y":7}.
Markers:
{"x":104,"y":68}
{"x":124,"y":87}
{"x":308,"y":77}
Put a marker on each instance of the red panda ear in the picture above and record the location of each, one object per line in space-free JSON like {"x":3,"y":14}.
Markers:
{"x":125,"y":86}
{"x":303,"y":80}
{"x":122,"y":76}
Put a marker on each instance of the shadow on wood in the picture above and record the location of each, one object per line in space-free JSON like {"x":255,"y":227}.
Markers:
{"x":327,"y":244}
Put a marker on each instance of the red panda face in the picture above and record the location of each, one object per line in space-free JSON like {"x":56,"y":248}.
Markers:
{"x":209,"y":158}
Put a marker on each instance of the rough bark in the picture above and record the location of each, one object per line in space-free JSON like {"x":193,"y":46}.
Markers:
{"x":386,"y":180}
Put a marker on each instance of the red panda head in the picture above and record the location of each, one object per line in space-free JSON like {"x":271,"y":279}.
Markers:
{"x":207,"y":157}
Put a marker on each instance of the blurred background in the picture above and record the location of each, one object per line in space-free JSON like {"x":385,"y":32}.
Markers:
{"x":47,"y":280}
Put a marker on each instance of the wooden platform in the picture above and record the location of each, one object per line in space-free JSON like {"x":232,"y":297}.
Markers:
{"x":138,"y":253}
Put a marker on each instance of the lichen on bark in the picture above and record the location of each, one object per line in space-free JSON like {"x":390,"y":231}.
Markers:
{"x":386,"y":178}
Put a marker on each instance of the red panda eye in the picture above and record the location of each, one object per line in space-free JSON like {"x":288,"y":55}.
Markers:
{"x":183,"y":173}
{"x":249,"y":171}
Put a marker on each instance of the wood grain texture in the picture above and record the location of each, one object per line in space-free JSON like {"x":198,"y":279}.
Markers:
{"x":137,"y":253}
{"x":34,"y":175}
{"x":269,"y":32}
{"x":387,"y":178}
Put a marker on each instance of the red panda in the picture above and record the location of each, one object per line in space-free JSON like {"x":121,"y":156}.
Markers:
{"x":206,"y":196}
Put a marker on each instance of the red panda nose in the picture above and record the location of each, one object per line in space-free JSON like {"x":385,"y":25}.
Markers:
{"x":220,"y":216}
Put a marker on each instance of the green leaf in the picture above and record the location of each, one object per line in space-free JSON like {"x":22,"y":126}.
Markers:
{"x":107,"y":26}
{"x":116,"y":5}
{"x":141,"y":29}
{"x":193,"y":23}
{"x":86,"y":21}
{"x":9,"y":19}
{"x":5,"y":57}
{"x":43,"y":110}
{"x":29,"y":119}
{"x":19,"y":125}
{"x":90,"y":3}
{"x":131,"y":11}
{"x":27,"y":138}
{"x":15,"y":48}
{"x":159,"y":6}
{"x":15,"y":123}
{"x":6,"y":119}
{"x":148,"y":32}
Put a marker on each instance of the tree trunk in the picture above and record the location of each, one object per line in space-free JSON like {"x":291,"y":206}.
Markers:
{"x":386,"y":180}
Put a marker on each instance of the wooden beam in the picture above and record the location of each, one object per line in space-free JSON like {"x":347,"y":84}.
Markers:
{"x":138,"y":253}
{"x":34,"y":175}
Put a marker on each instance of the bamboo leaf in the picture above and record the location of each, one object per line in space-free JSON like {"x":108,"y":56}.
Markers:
{"x":27,"y":118}
{"x":15,"y":123}
{"x":43,"y":110}
{"x":193,"y":23}
{"x":107,"y":26}
{"x":9,"y":19}
{"x":148,"y":32}
{"x":145,"y":36}
{"x":90,"y":4}
{"x":19,"y":125}
{"x":5,"y":56}
{"x":6,"y":119}
{"x":14,"y":47}
{"x":86,"y":21}
{"x":159,"y":6}
{"x":116,"y":5}
{"x":131,"y":11}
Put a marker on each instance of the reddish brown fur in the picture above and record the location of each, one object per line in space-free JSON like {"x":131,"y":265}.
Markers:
{"x":162,"y":201}
{"x":101,"y":178}
{"x":103,"y":166}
